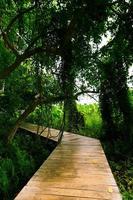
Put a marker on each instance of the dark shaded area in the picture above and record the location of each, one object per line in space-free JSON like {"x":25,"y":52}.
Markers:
{"x":120,"y":157}
{"x":20,"y":160}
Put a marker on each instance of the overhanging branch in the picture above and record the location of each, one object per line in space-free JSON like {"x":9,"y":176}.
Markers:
{"x":37,"y":100}
{"x":8,"y":44}
{"x":86,"y":92}
{"x":13,"y":20}
{"x":27,"y":54}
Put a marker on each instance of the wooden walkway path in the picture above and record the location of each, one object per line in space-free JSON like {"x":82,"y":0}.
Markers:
{"x":76,"y":170}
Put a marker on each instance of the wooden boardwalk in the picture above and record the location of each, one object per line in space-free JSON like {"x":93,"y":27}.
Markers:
{"x":76,"y":170}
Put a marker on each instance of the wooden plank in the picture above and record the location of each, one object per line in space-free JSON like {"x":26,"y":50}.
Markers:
{"x":34,"y":128}
{"x":33,"y":196}
{"x":73,"y":192}
{"x":80,"y":186}
{"x":76,"y":170}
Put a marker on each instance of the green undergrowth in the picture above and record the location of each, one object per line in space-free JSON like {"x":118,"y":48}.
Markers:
{"x":20,"y":160}
{"x":91,"y":113}
{"x":49,"y":117}
{"x":119,"y":154}
{"x":92,"y":118}
{"x":120,"y":157}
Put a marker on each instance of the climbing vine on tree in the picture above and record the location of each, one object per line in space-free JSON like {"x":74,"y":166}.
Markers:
{"x":62,"y":39}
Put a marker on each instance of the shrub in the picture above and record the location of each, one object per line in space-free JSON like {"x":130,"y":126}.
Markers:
{"x":19,"y":161}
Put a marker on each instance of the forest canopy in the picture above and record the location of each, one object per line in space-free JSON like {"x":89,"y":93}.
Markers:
{"x":46,"y":46}
{"x":52,"y":52}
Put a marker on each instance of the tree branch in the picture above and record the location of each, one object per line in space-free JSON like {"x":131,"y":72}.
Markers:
{"x":93,"y":97}
{"x":22,"y":117}
{"x":27,"y":54}
{"x":38,"y":100}
{"x":8,"y":70}
{"x":13,"y":20}
{"x":8,"y":44}
{"x":85,"y":92}
{"x":31,"y":44}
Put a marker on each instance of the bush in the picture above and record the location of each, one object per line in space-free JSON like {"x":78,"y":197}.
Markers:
{"x":93,"y":121}
{"x":120,"y":157}
{"x":19,"y":161}
{"x":47,"y":116}
{"x":15,"y":166}
{"x":6,"y":171}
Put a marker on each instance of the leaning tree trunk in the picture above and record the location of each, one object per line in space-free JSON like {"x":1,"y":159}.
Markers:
{"x":22,"y":117}
{"x":31,"y":108}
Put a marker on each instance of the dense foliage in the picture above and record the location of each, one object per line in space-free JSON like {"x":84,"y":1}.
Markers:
{"x":51,"y":52}
{"x":20,"y":160}
{"x":54,"y":53}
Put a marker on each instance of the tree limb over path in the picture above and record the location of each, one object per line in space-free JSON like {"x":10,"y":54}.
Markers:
{"x":29,"y":51}
{"x":37,"y":101}
{"x":27,"y":54}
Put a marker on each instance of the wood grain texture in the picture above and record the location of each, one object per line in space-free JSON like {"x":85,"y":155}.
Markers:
{"x":76,"y":170}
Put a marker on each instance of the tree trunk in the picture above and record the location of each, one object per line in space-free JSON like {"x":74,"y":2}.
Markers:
{"x":107,"y":112}
{"x":115,"y":102}
{"x":72,"y":116}
{"x":124,"y":102}
{"x":30,"y":109}
{"x":22,"y":117}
